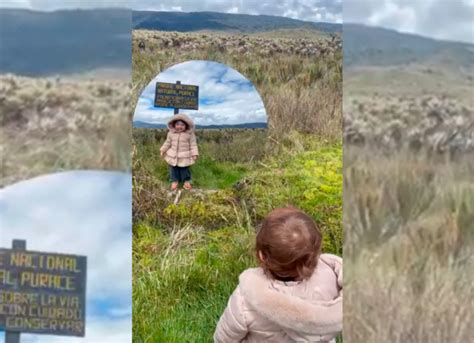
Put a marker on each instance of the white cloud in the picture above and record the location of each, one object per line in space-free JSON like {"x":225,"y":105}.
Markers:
{"x":52,"y":5}
{"x":403,"y":17}
{"x":15,"y":4}
{"x":98,"y":330}
{"x":330,"y":10}
{"x":84,"y":213}
{"x":226,"y":97}
{"x":301,"y":9}
{"x":440,"y":19}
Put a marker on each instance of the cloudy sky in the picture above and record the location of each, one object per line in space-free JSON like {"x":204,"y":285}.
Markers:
{"x":81,"y":213}
{"x":225,"y":96}
{"x":52,"y":5}
{"x":310,"y":10}
{"x":442,"y":19}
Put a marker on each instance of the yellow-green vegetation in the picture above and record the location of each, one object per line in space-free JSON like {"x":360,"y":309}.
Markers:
{"x":187,"y":256}
{"x":54,"y":124}
{"x":182,"y":280}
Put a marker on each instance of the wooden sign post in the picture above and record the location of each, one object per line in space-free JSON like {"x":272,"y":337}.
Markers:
{"x":176,"y":109}
{"x":176,"y":96}
{"x":42,"y":293}
{"x":11,"y":336}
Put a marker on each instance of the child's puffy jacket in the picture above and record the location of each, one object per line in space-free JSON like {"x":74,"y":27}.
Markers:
{"x":266,"y":310}
{"x":180,"y":147}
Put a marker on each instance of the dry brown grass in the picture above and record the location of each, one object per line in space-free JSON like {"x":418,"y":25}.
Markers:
{"x":435,"y":123}
{"x":54,"y":124}
{"x":408,"y":204}
{"x":417,"y":304}
{"x":409,"y":232}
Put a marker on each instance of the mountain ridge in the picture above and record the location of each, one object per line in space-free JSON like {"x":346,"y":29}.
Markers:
{"x":64,"y":41}
{"x":245,"y":23}
{"x":376,"y":46}
{"x":256,"y":125}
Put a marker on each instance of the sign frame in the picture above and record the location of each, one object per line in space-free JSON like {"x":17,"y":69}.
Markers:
{"x":53,"y":296}
{"x":177,"y":96}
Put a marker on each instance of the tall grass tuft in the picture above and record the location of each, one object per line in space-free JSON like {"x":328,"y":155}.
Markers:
{"x":409,"y":224}
{"x":49,"y":125}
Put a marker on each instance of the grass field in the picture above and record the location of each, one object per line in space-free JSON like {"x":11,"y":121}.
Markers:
{"x":298,"y":78}
{"x":409,"y":232}
{"x":408,"y":206}
{"x":187,"y":257}
{"x":55,"y":124}
{"x":226,"y":155}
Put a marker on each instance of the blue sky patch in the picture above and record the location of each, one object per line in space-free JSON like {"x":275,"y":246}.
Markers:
{"x":225,"y":96}
{"x":83,"y":213}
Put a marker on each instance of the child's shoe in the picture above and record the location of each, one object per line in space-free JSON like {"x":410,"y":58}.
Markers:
{"x":174,"y":185}
{"x":187,"y":186}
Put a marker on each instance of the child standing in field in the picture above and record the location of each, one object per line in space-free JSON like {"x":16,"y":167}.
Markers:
{"x":180,"y":150}
{"x":296,"y":293}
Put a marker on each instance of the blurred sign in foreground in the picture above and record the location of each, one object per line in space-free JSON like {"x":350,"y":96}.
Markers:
{"x":177,"y":95}
{"x":41,"y":292}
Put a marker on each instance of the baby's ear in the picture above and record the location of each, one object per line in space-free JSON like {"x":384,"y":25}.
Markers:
{"x":261,"y":256}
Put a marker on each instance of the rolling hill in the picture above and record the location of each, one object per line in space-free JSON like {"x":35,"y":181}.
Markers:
{"x":383,"y":61}
{"x":196,"y":21}
{"x":375,"y":46}
{"x":62,"y":42}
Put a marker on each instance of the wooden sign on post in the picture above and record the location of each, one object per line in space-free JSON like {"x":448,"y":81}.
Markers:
{"x":43,"y":293}
{"x":176,"y":95}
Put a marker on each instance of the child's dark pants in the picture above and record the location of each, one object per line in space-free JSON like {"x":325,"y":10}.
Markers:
{"x":180,"y":174}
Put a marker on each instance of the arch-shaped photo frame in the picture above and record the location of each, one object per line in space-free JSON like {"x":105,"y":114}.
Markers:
{"x":222,"y":109}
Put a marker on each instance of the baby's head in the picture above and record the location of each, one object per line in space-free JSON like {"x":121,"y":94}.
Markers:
{"x":180,"y":126}
{"x":288,"y":244}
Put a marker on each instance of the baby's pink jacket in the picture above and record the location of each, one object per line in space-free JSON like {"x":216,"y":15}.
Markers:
{"x":265,"y":310}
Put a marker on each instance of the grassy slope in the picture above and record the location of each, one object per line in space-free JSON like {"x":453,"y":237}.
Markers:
{"x":53,"y":124}
{"x":411,"y":80}
{"x":408,"y":215}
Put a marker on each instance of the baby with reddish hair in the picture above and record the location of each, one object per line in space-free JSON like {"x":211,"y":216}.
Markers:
{"x":296,"y":293}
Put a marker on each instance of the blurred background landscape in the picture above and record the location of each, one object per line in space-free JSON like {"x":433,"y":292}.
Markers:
{"x":65,"y":105}
{"x":408,"y":175}
{"x":65,"y":91}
